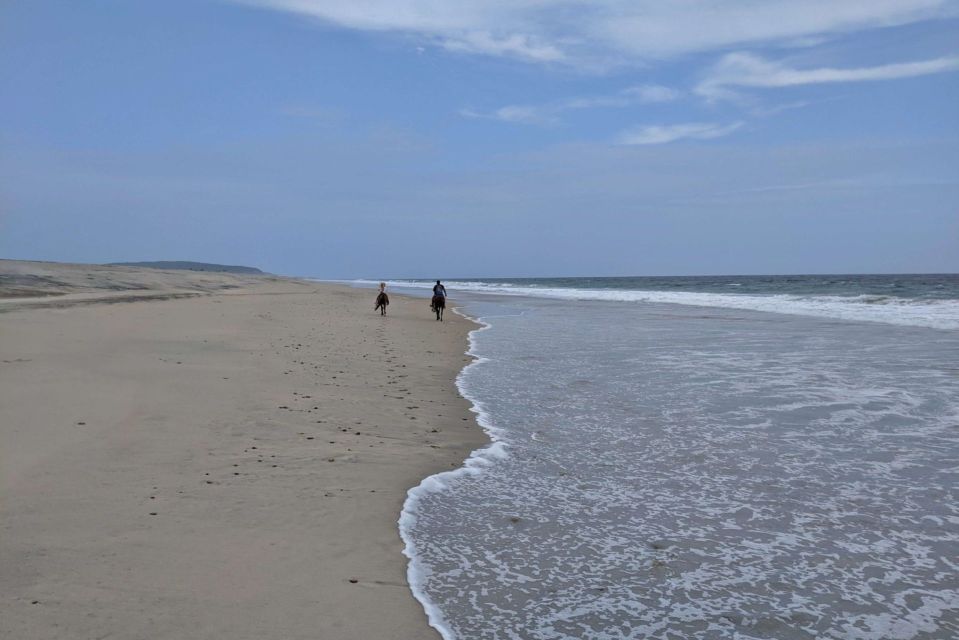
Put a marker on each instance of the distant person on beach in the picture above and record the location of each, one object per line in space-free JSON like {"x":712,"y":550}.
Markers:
{"x":438,"y":303}
{"x":382,"y":300}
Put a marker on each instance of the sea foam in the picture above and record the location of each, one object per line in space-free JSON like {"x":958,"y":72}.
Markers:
{"x":936,"y":313}
{"x":417,"y":571}
{"x":686,"y":474}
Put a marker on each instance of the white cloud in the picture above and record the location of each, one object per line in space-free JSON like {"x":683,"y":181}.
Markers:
{"x":747,"y":70}
{"x":515,"y":44}
{"x":549,"y":114}
{"x":661,"y":134}
{"x":594,"y":32}
{"x":670,"y":28}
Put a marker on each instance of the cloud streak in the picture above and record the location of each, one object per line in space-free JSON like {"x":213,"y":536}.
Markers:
{"x":663,"y":134}
{"x":514,"y":44}
{"x":599,"y":32}
{"x":744,"y":70}
{"x":549,"y":114}
{"x":517,"y":114}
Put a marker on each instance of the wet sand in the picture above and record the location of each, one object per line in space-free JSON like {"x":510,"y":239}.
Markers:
{"x":221,"y":456}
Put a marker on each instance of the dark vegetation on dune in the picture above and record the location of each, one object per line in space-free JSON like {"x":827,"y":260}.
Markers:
{"x":189,"y":266}
{"x":35,"y":279}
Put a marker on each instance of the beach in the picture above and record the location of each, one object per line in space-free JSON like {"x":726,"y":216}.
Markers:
{"x":204,"y":455}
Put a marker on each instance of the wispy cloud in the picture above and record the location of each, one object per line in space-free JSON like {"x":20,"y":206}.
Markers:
{"x":662,"y":134}
{"x":518,"y":45}
{"x":518,"y":114}
{"x":766,"y":111}
{"x":744,"y":70}
{"x":835,"y":183}
{"x":549,"y":114}
{"x":669,"y":28}
{"x":594,"y":32}
{"x":652,"y":93}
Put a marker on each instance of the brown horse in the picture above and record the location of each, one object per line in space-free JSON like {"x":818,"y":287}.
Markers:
{"x":438,"y":305}
{"x":382,"y":301}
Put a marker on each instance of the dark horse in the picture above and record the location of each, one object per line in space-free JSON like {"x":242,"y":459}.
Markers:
{"x":438,"y":305}
{"x":382,"y":301}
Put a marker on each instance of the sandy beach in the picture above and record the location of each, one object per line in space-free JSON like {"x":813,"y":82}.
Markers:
{"x":201,"y":455}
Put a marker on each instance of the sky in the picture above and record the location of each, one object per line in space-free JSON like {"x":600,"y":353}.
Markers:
{"x":415,"y":138}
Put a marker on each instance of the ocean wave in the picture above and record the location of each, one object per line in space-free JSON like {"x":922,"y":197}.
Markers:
{"x":935,"y":314}
{"x":660,"y":474}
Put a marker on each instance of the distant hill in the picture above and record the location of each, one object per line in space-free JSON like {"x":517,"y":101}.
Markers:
{"x":188,"y":266}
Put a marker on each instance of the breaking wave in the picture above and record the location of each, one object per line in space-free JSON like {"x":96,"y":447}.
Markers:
{"x":917,"y":312}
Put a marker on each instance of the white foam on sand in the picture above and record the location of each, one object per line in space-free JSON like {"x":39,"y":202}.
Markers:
{"x":417,"y":572}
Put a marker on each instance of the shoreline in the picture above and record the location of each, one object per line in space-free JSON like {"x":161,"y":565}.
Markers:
{"x":193,"y":467}
{"x":477,"y":459}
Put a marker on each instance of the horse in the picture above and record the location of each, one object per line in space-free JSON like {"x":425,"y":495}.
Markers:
{"x":438,"y":305}
{"x":382,"y":301}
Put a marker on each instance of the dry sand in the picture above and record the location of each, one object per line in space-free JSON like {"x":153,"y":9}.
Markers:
{"x":225,"y":465}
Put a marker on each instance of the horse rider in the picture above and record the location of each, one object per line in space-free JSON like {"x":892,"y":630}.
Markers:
{"x":382,"y":300}
{"x":439,"y":291}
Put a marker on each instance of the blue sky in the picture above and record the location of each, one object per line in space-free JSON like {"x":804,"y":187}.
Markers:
{"x":525,"y":137}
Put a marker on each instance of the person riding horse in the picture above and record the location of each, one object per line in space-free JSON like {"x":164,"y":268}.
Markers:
{"x":382,"y":300}
{"x":438,"y":304}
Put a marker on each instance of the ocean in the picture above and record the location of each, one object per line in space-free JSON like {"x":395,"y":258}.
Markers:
{"x":700,"y":457}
